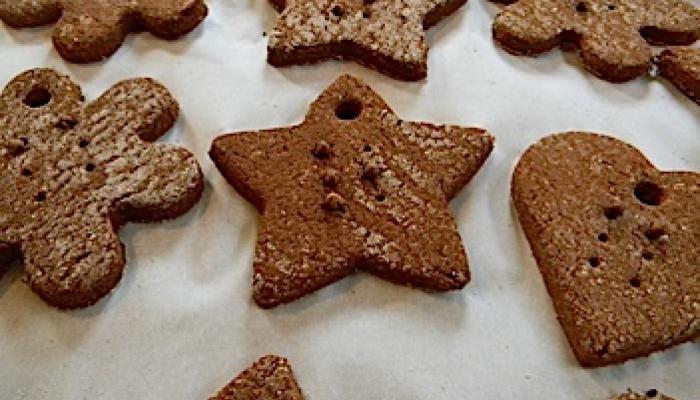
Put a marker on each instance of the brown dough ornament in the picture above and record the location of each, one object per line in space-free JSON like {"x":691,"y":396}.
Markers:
{"x":72,"y":175}
{"x":353,"y":187}
{"x":386,"y":35}
{"x":611,"y":35}
{"x":269,"y":378}
{"x":652,"y":394}
{"x":617,"y":242}
{"x":681,"y":66}
{"x":89,"y":31}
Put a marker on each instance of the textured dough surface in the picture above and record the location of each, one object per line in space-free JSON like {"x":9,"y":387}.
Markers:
{"x":269,"y":378}
{"x":681,"y":66}
{"x":612,"y":36}
{"x":353,"y":187}
{"x":88,"y":31}
{"x":648,"y":395}
{"x":73,"y":174}
{"x":617,"y":242}
{"x":386,"y":35}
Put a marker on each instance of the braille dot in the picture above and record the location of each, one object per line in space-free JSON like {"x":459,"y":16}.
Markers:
{"x":90,"y":167}
{"x":603,"y":237}
{"x":337,"y":11}
{"x":648,"y":193}
{"x":635,"y":282}
{"x":594,"y":262}
{"x":322,"y":150}
{"x":654,"y":233}
{"x":611,"y":7}
{"x":83,"y":143}
{"x":334,"y":202}
{"x":37,"y":97}
{"x":613,"y":212}
{"x":367,"y":148}
{"x":41,"y":196}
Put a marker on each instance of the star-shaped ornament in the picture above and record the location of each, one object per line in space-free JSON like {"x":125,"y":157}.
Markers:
{"x":353,"y":188}
{"x":269,"y":378}
{"x":386,"y":35}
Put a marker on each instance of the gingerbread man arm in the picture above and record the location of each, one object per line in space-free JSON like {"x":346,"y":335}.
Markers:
{"x":156,"y":181}
{"x":29,"y":13}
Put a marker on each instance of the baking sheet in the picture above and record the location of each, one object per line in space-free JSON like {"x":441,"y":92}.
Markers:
{"x":181,"y":323}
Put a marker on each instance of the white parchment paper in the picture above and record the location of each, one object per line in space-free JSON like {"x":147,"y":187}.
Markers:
{"x":181,"y":323}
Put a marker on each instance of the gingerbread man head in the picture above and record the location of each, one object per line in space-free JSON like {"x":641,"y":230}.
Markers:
{"x":72,"y":175}
{"x":89,"y":31}
{"x":612,"y":36}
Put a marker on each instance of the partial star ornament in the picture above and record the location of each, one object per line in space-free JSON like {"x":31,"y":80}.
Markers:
{"x":386,"y":35}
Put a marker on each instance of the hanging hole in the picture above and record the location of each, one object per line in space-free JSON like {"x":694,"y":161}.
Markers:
{"x":603,"y":237}
{"x":581,"y":7}
{"x":26,"y":172}
{"x":83,"y":143}
{"x":651,"y":393}
{"x":367,"y":148}
{"x":90,"y":167}
{"x":337,"y":11}
{"x":41,"y":196}
{"x":648,"y":193}
{"x":612,"y":213}
{"x":635,"y":282}
{"x":348,"y":110}
{"x":647,"y":255}
{"x":37,"y":97}
{"x":366,"y":14}
{"x":594,"y":262}
{"x":611,"y":7}
{"x":368,"y":2}
{"x":380,"y":197}
{"x":654,"y":233}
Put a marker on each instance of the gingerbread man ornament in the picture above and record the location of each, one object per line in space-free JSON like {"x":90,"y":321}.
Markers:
{"x":612,"y":36}
{"x":72,"y":175}
{"x":88,"y":31}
